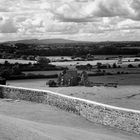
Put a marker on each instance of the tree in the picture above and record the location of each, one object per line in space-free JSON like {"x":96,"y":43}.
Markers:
{"x":99,"y":70}
{"x":24,"y":57}
{"x":89,"y":66}
{"x":6,"y":74}
{"x":114,"y":65}
{"x":16,"y":70}
{"x":52,"y":83}
{"x":6,"y":63}
{"x":130,"y":66}
{"x":109,"y":66}
{"x":43,"y":61}
{"x":99,"y":65}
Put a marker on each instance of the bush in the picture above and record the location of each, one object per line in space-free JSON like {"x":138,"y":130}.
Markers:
{"x":2,"y":81}
{"x":114,"y":65}
{"x":43,"y":61}
{"x":126,"y":73}
{"x":109,"y":73}
{"x":98,"y":71}
{"x":122,"y":72}
{"x":130,"y":66}
{"x":89,"y":66}
{"x":118,"y":72}
{"x":109,"y":66}
{"x":99,"y":65}
{"x":6,"y":73}
{"x":136,"y":60}
{"x":104,"y":71}
{"x":52,"y":83}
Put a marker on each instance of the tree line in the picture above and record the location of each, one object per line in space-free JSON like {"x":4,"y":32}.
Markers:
{"x":70,"y":49}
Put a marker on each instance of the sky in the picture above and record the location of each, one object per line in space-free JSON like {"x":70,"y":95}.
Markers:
{"x":86,"y":20}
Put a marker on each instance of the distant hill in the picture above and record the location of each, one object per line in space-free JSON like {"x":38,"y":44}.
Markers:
{"x":61,"y":41}
{"x":45,"y":41}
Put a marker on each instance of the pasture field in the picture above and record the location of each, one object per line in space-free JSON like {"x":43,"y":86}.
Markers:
{"x":102,"y":57}
{"x":13,"y":61}
{"x":42,"y":72}
{"x":126,"y":62}
{"x":126,"y":95}
{"x":123,"y":79}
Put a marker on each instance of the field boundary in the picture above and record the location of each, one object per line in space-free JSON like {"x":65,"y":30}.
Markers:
{"x":117,"y":117}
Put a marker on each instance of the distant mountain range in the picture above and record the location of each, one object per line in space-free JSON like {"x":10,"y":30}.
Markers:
{"x":45,"y":41}
{"x":61,"y":41}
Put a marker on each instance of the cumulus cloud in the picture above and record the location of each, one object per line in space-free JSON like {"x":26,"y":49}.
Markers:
{"x":81,"y":19}
{"x":99,"y":8}
{"x":7,"y":26}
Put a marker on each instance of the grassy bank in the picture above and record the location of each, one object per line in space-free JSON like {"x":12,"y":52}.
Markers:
{"x":26,"y":121}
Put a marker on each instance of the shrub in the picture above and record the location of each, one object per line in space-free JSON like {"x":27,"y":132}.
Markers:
{"x":118,"y":72}
{"x":122,"y":72}
{"x":99,"y":65}
{"x":130,"y":66}
{"x":109,"y":73}
{"x":104,"y":71}
{"x":114,"y":65}
{"x":52,"y":83}
{"x":136,"y":60}
{"x":98,"y":70}
{"x":109,"y":66}
{"x":126,"y":73}
{"x":43,"y":61}
{"x":89,"y":66}
{"x":6,"y":73}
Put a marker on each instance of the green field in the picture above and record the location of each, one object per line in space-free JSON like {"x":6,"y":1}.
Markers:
{"x":13,"y":61}
{"x":123,"y":79}
{"x":127,"y":94}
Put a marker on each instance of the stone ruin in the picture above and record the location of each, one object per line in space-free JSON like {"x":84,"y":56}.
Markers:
{"x":73,"y":78}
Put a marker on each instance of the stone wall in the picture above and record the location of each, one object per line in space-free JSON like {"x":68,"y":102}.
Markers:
{"x":124,"y":119}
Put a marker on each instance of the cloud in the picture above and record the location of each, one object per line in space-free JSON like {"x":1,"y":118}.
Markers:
{"x":82,"y":10}
{"x":78,"y":19}
{"x":7,"y":26}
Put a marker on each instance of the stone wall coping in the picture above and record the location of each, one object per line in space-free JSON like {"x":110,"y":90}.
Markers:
{"x":75,"y":98}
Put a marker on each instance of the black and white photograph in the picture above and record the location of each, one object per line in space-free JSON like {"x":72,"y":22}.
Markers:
{"x":69,"y":69}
